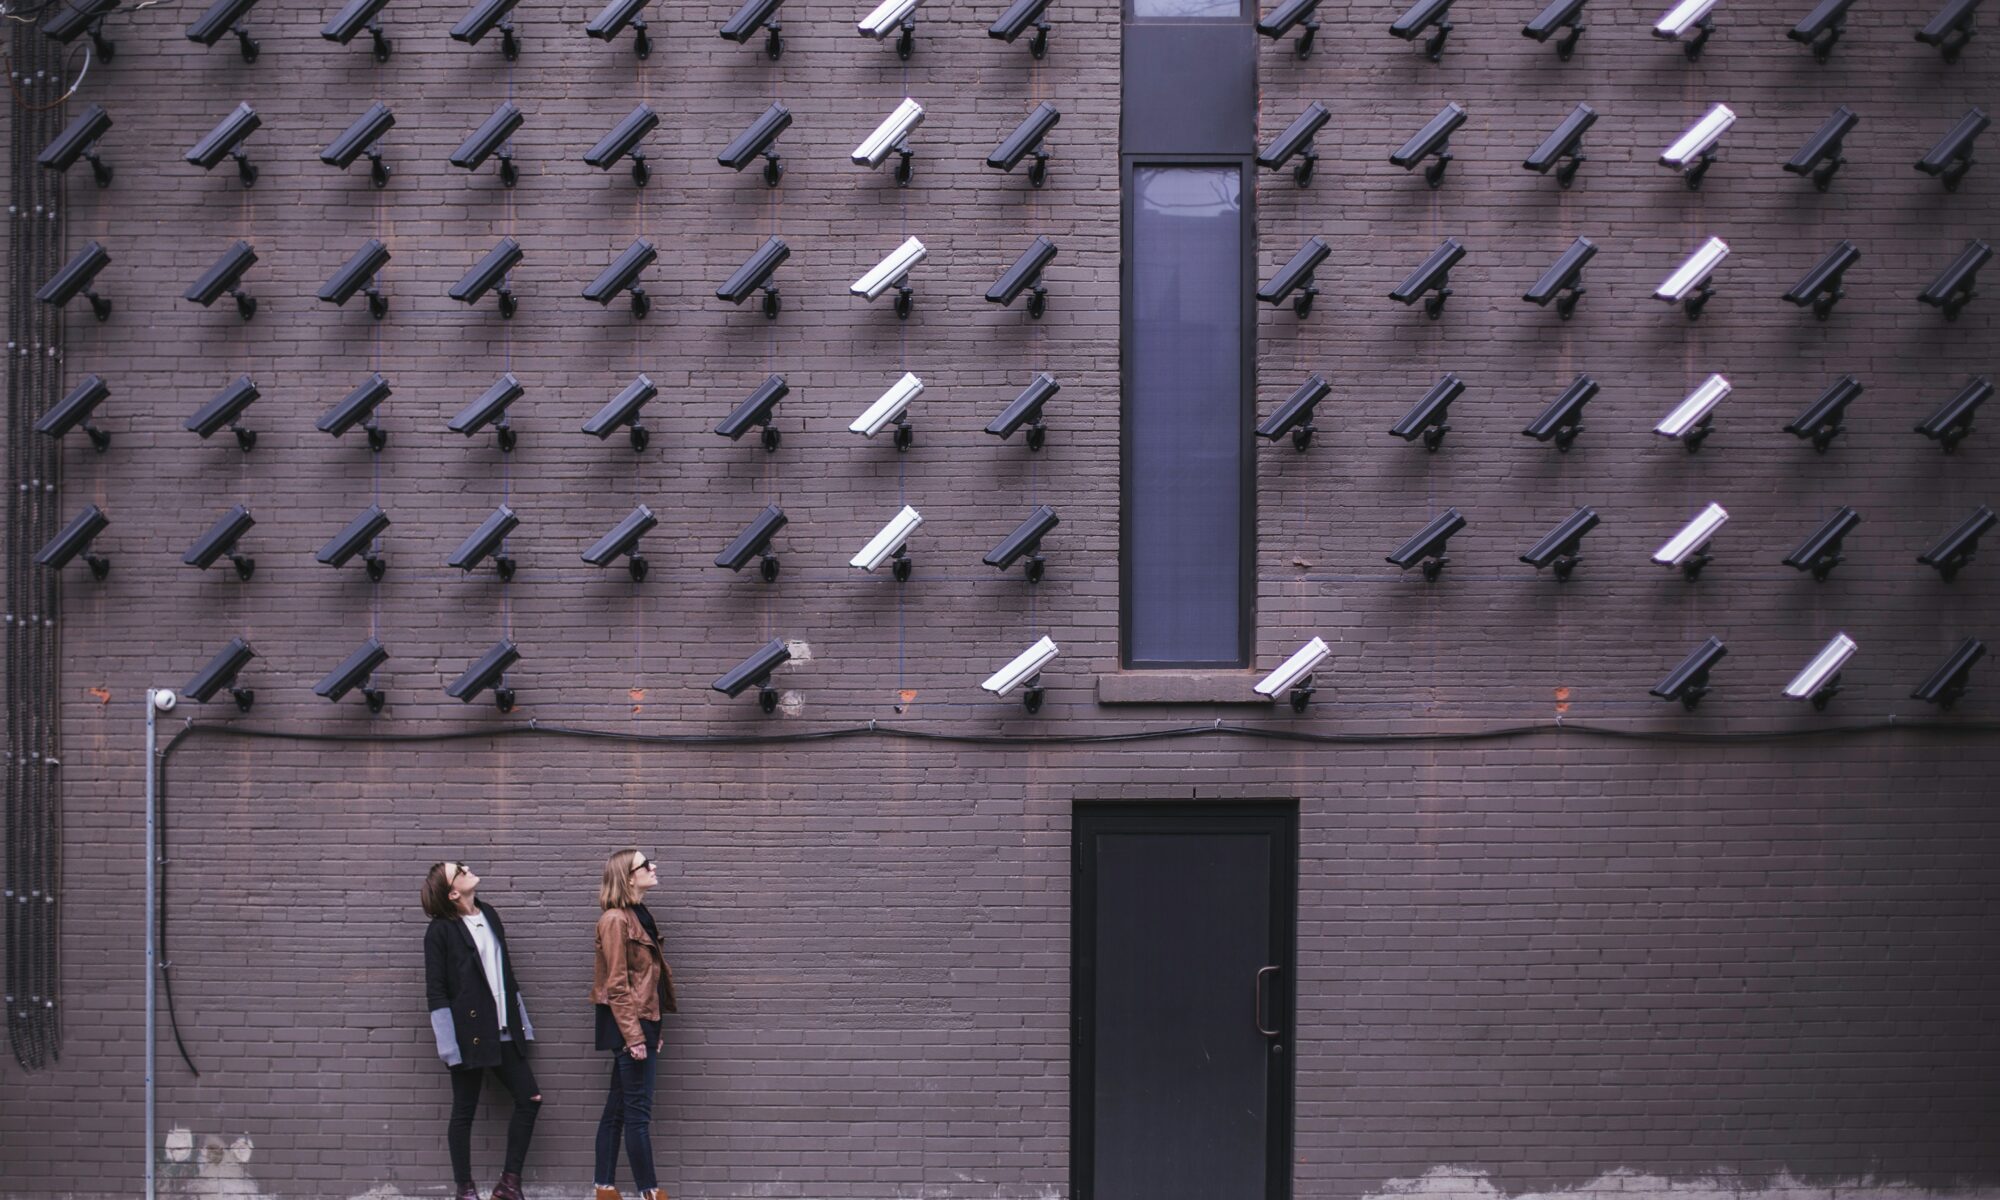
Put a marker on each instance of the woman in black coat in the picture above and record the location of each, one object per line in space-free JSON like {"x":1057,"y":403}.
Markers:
{"x":478,"y":1019}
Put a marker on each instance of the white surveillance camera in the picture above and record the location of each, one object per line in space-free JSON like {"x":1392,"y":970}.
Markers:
{"x":1699,"y":140}
{"x":164,"y":699}
{"x":889,"y":134}
{"x":891,"y":270}
{"x":1821,"y":677}
{"x":889,"y":542}
{"x":1689,"y":420}
{"x":1688,"y":285}
{"x":1296,"y":670}
{"x":886,"y":18}
{"x":1026,"y":666}
{"x":1685,"y":547}
{"x":888,"y":409}
{"x":1682,"y":17}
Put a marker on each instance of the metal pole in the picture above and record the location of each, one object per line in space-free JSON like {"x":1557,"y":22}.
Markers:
{"x":152,"y":886}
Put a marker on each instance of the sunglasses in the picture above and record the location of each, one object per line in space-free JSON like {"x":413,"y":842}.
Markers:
{"x":459,"y":869}
{"x":642,"y":864}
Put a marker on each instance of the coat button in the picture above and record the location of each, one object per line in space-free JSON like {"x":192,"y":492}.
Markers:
{"x":475,"y":1041}
{"x":474,"y":1013}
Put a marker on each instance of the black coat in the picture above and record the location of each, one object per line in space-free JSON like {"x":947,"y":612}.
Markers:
{"x":460,"y":998}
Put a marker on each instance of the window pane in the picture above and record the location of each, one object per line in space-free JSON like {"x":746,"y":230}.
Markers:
{"x":1185,"y":422}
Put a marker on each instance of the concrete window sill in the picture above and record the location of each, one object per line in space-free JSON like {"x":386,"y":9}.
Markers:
{"x":1178,"y":687}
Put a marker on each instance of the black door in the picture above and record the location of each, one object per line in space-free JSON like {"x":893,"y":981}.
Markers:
{"x":1182,"y":1002}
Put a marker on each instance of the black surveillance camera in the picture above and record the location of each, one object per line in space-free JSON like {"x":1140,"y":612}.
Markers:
{"x":623,"y":542}
{"x":1562,"y":420}
{"x":359,"y":407}
{"x":485,"y":541}
{"x":1025,"y":275}
{"x":615,"y":17}
{"x":1822,"y":27}
{"x":1949,"y":30}
{"x":221,"y":539}
{"x":355,"y":16}
{"x":1027,"y":410}
{"x":359,"y":535}
{"x":756,"y":411}
{"x":755,"y":542}
{"x":354,"y":672}
{"x":1948,"y":426}
{"x":1295,"y":415}
{"x":1560,"y":548}
{"x":1560,"y":14}
{"x":77,"y":17}
{"x":1951,"y":158}
{"x":1432,"y":141}
{"x":490,"y":408}
{"x":755,"y":15}
{"x":79,"y":140}
{"x":1292,"y":14}
{"x":75,"y":409}
{"x":1823,"y":421}
{"x":489,"y":672}
{"x":1821,"y":156}
{"x":623,"y":411}
{"x":1429,"y":419}
{"x":1820,"y":553}
{"x":1820,"y":289}
{"x":1025,"y":140}
{"x":75,"y":278}
{"x":75,"y":539}
{"x":1296,"y":141}
{"x":1428,"y":547}
{"x":1021,"y":16}
{"x":1946,"y":684}
{"x":226,"y":141}
{"x":1688,"y":682}
{"x":221,"y":673}
{"x":359,"y":139}
{"x":1563,"y":281}
{"x":756,"y":273}
{"x":224,"y":16}
{"x":227,"y":408}
{"x":1434,"y":275}
{"x":489,"y":272}
{"x":623,"y":141}
{"x":482,"y":19}
{"x":623,"y":275}
{"x":489,"y":139}
{"x":1025,"y":540}
{"x":756,"y":140}
{"x":1954,"y":550}
{"x":1431,"y":15}
{"x":358,"y":275}
{"x":1952,"y":290}
{"x":1563,"y":148}
{"x":756,"y":670}
{"x":226,"y":275}
{"x":1297,"y":276}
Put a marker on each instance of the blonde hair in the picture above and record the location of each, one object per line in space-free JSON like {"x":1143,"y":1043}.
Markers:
{"x":617,"y":890}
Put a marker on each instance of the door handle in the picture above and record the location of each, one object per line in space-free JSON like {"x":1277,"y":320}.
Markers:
{"x":1264,"y":973}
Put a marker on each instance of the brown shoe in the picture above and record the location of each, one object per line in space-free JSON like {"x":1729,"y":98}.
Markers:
{"x":468,"y":1191}
{"x":509,"y":1187}
{"x":607,"y":1192}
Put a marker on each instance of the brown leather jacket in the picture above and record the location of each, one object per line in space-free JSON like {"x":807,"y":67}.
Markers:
{"x":629,"y":965}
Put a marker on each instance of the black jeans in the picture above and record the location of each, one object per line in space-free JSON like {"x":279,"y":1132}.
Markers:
{"x":519,"y":1081}
{"x":628,"y":1110}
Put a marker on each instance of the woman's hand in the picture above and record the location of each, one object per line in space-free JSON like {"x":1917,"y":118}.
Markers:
{"x":637,"y":1051}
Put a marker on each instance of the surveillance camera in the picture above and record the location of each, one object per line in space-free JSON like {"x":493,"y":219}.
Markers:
{"x":1694,"y":151}
{"x":485,"y":541}
{"x":490,"y":407}
{"x":614,"y":18}
{"x":1945,"y":685}
{"x":756,"y":671}
{"x":893,"y":269}
{"x":79,"y":140}
{"x":889,"y":409}
{"x":1688,"y":15}
{"x":1428,"y":547}
{"x":1295,"y":415}
{"x":1026,"y":410}
{"x":75,"y":409}
{"x":1025,"y":140}
{"x":221,"y":539}
{"x":78,"y":17}
{"x":1688,"y":423}
{"x":357,"y":407}
{"x":1948,"y":426}
{"x":1025,"y":540}
{"x":623,"y":275}
{"x":1297,"y":276}
{"x":622,"y":410}
{"x":227,"y":408}
{"x":352,"y":18}
{"x":1292,"y":14}
{"x":489,"y":139}
{"x":1689,"y":286}
{"x":1820,"y":553}
{"x":623,"y":542}
{"x":1428,"y":419}
{"x":623,"y":140}
{"x":1562,"y":420}
{"x":224,"y":16}
{"x":1563,"y":148}
{"x":1950,"y":29}
{"x":752,"y":16}
{"x":756,"y":140}
{"x":1820,"y":289}
{"x":221,"y":673}
{"x":1297,"y":141}
{"x":1821,"y":422}
{"x":75,"y":539}
{"x":1026,"y":667}
{"x":489,"y":672}
{"x":1687,"y":551}
{"x":358,"y":275}
{"x":1952,"y":552}
{"x":483,"y":18}
{"x":1821,"y":156}
{"x":488,"y":272}
{"x":890,"y":137}
{"x":75,"y":278}
{"x":1688,"y":682}
{"x":756,"y":273}
{"x":755,"y":542}
{"x":1819,"y":679}
{"x":353,"y":672}
{"x":1952,"y":290}
{"x":1425,"y":15}
{"x":1432,"y":141}
{"x":889,"y":543}
{"x":756,"y":411}
{"x":360,"y":138}
{"x":1021,"y":16}
{"x":1433,"y":275}
{"x":1822,"y":27}
{"x":1563,"y":281}
{"x":1560,"y":547}
{"x":1951,"y":158}
{"x":359,"y":535}
{"x":1025,"y":275}
{"x":226,"y":140}
{"x":226,"y":275}
{"x":1294,"y":675}
{"x":889,"y":17}
{"x":1560,"y":14}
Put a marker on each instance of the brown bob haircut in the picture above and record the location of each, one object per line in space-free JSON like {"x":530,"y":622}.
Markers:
{"x":616,"y":891}
{"x":436,"y":895}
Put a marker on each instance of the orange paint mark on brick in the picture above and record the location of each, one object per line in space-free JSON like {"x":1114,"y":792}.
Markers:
{"x":101,"y":695}
{"x":907,"y":695}
{"x":1562,"y":699}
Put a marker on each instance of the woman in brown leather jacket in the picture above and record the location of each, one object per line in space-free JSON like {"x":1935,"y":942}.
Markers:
{"x":633,"y":988}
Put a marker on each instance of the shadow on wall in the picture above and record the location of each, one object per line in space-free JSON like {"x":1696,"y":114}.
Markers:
{"x":1462,"y":1183}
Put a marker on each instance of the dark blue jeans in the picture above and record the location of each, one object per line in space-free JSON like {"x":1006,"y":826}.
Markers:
{"x":628,"y":1111}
